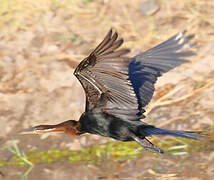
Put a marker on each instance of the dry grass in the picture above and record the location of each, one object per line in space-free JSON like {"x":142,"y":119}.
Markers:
{"x":195,"y":16}
{"x":163,"y":101}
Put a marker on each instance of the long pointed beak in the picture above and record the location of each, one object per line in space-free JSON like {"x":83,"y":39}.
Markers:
{"x":28,"y":131}
{"x":41,"y":129}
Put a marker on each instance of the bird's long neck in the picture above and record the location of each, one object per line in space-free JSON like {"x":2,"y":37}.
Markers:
{"x":70,"y":127}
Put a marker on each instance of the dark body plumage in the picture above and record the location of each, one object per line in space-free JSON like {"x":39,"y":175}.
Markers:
{"x":118,"y":88}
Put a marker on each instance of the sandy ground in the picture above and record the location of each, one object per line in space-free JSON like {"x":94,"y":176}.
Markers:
{"x":37,"y":85}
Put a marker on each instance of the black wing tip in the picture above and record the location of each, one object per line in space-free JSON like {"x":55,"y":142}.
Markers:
{"x":113,"y":32}
{"x":110,"y":32}
{"x":115,"y":35}
{"x":120,"y":41}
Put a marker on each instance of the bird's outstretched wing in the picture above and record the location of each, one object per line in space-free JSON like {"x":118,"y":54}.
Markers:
{"x":105,"y":70}
{"x":145,"y":68}
{"x":123,"y":86}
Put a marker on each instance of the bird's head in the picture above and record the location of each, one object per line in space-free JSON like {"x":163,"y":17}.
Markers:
{"x":69,"y":127}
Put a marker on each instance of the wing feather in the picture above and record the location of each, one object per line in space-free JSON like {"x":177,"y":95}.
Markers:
{"x":106,"y":69}
{"x":148,"y":66}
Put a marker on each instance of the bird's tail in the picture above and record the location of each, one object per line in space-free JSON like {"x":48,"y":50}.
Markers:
{"x":185,"y":134}
{"x":144,"y":131}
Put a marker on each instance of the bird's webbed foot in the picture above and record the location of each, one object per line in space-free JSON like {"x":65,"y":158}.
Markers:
{"x":147,"y":145}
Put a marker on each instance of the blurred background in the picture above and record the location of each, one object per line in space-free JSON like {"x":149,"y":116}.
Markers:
{"x":41,"y":42}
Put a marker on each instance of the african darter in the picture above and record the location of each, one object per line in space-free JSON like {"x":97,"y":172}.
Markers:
{"x":118,"y":88}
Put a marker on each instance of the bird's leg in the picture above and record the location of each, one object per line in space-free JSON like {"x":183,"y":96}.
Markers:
{"x":147,"y":145}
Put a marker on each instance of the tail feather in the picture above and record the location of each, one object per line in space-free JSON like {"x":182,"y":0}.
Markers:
{"x":184,"y":134}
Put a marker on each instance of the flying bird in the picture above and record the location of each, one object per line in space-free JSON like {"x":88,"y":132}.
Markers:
{"x":118,"y":88}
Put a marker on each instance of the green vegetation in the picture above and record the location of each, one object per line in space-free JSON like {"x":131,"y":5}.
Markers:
{"x":96,"y":154}
{"x":23,"y":159}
